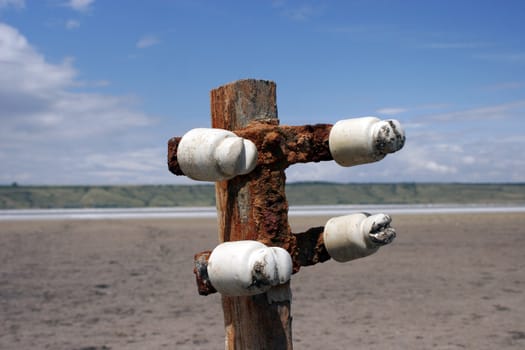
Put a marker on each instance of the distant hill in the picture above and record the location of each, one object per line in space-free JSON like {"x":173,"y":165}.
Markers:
{"x":311,"y":193}
{"x":405,"y":193}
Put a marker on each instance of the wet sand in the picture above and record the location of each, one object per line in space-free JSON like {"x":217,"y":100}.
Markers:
{"x":447,"y":282}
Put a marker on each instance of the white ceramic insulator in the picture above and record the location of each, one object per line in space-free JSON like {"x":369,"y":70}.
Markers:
{"x":248,"y":267}
{"x":207,"y":154}
{"x":348,"y":237}
{"x":364,"y":140}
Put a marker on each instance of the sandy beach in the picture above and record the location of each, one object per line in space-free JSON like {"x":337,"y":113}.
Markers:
{"x":447,"y":282}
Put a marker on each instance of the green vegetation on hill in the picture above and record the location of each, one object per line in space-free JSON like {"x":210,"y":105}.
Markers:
{"x":312,"y":193}
{"x":19,"y":197}
{"x":405,"y":193}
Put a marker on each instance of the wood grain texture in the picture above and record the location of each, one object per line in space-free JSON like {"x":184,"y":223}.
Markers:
{"x":252,"y":207}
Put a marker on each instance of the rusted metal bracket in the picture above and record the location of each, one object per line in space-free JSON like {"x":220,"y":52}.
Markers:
{"x":309,"y":250}
{"x":278,"y":146}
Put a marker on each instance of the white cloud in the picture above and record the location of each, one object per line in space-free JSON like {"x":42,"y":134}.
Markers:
{"x":435,"y":167}
{"x":322,"y":171}
{"x":147,"y":41}
{"x":15,"y":3}
{"x":391,"y":110}
{"x":469,"y":160}
{"x":476,"y":144}
{"x":396,"y":110}
{"x":72,"y":24}
{"x":501,"y":111}
{"x":425,"y":161}
{"x":125,"y":166}
{"x":80,"y":5}
{"x":26,"y":71}
{"x":49,"y":133}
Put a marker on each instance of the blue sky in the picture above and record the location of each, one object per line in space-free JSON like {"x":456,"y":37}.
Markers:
{"x":91,"y":90}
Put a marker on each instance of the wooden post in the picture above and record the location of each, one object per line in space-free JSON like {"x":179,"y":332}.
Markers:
{"x":243,"y":205}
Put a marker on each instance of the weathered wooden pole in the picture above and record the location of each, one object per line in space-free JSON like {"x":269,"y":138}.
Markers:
{"x":245,"y":203}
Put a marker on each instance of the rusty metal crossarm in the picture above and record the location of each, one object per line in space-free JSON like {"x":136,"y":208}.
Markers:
{"x":285,"y":145}
{"x":339,"y":240}
{"x":277,"y":146}
{"x":308,"y":249}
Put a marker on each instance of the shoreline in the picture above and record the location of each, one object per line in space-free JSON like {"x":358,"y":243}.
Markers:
{"x":210,"y":212}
